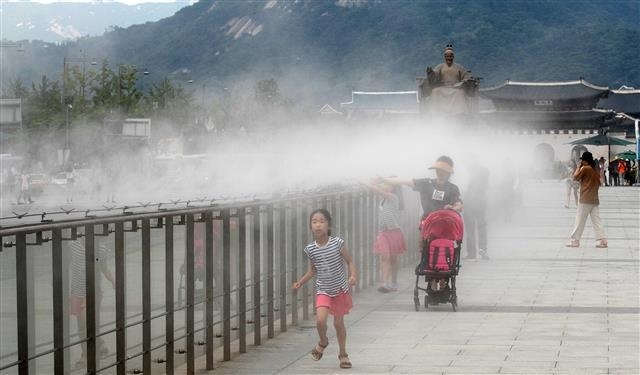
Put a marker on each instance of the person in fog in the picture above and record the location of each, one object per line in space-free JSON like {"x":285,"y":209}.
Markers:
{"x":613,"y":173}
{"x":24,"y":189}
{"x":390,"y":242}
{"x":435,"y":194}
{"x":603,"y":170}
{"x":71,"y":183}
{"x":571,"y":184}
{"x":588,"y":204}
{"x":327,"y":258}
{"x":475,"y":210}
{"x":77,"y":295}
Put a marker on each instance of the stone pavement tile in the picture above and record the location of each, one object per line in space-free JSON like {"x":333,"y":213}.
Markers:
{"x":583,"y":351}
{"x":436,"y":346}
{"x":335,"y":369}
{"x":624,"y":371}
{"x":378,"y":356}
{"x":591,"y":362}
{"x":419,"y":359}
{"x":482,"y":355}
{"x":533,"y":355}
{"x":582,"y":371}
{"x":422,"y":370}
{"x":472,"y":370}
{"x":526,"y":370}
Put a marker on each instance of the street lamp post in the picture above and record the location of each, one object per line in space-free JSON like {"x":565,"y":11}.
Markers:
{"x":637,"y":134}
{"x":64,"y":100}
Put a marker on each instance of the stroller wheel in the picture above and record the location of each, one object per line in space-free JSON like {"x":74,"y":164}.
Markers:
{"x":426,"y":302}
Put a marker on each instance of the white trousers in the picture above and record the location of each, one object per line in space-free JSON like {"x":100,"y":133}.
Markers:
{"x":584,"y":210}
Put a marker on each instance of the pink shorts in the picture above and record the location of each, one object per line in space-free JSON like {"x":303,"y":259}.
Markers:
{"x":338,"y":305}
{"x":389,"y":242}
{"x":77,"y":304}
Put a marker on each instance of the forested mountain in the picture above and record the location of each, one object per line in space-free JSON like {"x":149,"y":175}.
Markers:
{"x":319,"y":50}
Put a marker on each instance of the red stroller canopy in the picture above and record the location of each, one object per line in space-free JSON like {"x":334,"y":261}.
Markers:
{"x":442,"y":224}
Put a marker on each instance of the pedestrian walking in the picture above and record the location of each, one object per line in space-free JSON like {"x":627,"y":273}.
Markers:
{"x":327,"y":258}
{"x":436,"y":194}
{"x":572,"y":185}
{"x":77,"y":295}
{"x":622,"y":170}
{"x":475,"y":210}
{"x":25,"y":190}
{"x":589,"y":203}
{"x":390,"y":242}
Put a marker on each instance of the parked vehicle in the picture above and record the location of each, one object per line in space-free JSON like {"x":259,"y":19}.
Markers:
{"x":59,"y":179}
{"x":37,"y":182}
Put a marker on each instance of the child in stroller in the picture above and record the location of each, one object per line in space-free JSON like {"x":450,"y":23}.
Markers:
{"x":442,"y":232}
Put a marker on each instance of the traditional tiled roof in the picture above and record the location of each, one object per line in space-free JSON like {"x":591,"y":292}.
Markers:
{"x":389,"y":102}
{"x":627,"y":101}
{"x":527,"y":91}
{"x":328,"y":110}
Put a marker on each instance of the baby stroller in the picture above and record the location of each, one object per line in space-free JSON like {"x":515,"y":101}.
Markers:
{"x":442,"y":233}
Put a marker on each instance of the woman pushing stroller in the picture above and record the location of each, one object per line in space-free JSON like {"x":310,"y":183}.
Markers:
{"x":436,"y":194}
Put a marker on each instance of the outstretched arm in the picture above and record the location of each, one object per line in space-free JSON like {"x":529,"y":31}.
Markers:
{"x":378,"y":190}
{"x":306,"y":277}
{"x":398,"y":181}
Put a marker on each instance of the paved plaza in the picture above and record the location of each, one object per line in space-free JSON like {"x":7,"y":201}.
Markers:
{"x":536,"y":307}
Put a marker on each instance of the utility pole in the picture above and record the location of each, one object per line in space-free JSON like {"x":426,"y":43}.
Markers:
{"x":65,"y":102}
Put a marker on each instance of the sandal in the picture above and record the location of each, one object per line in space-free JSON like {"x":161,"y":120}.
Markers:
{"x":573,"y":243}
{"x":317,"y":354}
{"x":344,"y":361}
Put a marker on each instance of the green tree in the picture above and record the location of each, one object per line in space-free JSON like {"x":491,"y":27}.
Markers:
{"x":171,"y":101}
{"x":43,"y":108}
{"x":15,"y":89}
{"x":105,"y":90}
{"x":128,"y":94}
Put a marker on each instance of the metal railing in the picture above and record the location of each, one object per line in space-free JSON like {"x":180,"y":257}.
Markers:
{"x":235,"y":256}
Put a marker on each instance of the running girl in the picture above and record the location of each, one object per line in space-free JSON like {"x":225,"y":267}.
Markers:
{"x":327,"y":258}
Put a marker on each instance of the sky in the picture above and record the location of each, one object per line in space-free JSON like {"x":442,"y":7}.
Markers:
{"x":128,"y":2}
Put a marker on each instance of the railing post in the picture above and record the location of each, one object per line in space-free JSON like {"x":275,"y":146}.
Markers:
{"x":362,"y":240}
{"x":305,"y":237}
{"x":90,"y":279}
{"x":59,"y":325}
{"x":146,"y":296}
{"x":293,"y":241}
{"x":208,"y":243}
{"x":22,"y":301}
{"x":270,"y":275}
{"x":190,"y":260}
{"x":256,"y":266}
{"x":121,"y":299}
{"x":226,"y":285}
{"x":353,"y":238}
{"x":282,"y":257}
{"x":169,"y":299}
{"x":242,"y":279}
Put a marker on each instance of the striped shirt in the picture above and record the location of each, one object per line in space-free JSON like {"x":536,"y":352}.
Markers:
{"x":388,"y":213}
{"x":78,"y":280}
{"x":331,"y":275}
